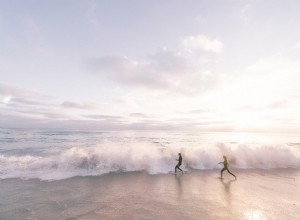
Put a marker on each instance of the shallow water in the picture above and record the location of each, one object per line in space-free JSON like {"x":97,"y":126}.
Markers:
{"x":256,"y":194}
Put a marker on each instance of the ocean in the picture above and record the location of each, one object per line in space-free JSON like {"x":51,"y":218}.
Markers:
{"x":53,"y":155}
{"x":91,"y":175}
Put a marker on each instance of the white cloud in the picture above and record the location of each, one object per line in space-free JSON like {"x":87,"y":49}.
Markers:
{"x":204,"y":43}
{"x":139,"y":115}
{"x":298,"y":45}
{"x":127,"y":71}
{"x":164,"y":71}
{"x":6,"y":99}
{"x":30,"y":104}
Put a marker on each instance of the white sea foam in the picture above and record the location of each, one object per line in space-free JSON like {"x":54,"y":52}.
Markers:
{"x":117,"y":157}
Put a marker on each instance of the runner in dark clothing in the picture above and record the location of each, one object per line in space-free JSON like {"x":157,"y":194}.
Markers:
{"x":179,"y":163}
{"x":226,"y":167}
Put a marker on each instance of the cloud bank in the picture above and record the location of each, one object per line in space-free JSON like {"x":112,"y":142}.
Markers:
{"x":177,"y":71}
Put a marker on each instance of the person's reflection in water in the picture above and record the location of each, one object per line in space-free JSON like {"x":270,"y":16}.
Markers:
{"x":179,"y":185}
{"x":227,"y":184}
{"x":227,"y":190}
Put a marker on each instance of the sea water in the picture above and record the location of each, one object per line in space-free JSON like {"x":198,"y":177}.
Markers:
{"x":54,"y":154}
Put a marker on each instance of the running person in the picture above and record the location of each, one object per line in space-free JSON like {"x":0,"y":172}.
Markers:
{"x":226,"y":167}
{"x":179,"y":163}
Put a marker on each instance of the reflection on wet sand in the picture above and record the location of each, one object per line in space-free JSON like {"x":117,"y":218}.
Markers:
{"x":178,"y":179}
{"x":227,"y":192}
{"x":255,"y":214}
{"x":227,"y":184}
{"x":138,"y":195}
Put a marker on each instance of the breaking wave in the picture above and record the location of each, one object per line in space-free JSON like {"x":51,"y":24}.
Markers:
{"x":113,"y":157}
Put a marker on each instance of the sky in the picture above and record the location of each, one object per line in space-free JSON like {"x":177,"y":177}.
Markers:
{"x":188,"y":65}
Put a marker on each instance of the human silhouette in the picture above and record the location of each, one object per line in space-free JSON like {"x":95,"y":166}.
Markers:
{"x":225,"y":163}
{"x":179,"y":163}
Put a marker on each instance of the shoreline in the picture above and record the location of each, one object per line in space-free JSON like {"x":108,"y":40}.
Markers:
{"x":197,"y":194}
{"x":187,"y":171}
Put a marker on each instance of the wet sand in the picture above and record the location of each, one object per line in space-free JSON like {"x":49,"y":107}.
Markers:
{"x":256,"y":194}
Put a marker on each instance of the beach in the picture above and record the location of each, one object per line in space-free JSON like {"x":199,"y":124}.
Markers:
{"x":101,"y":102}
{"x":256,"y":194}
{"x":70,"y":175}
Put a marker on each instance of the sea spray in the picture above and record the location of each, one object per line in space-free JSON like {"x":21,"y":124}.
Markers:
{"x":146,"y":156}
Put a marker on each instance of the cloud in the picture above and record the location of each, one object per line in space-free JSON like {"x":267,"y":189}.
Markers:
{"x":170,"y":62}
{"x":196,"y":111}
{"x":139,"y":115}
{"x":33,"y":112}
{"x":204,"y":43}
{"x":27,"y":103}
{"x":24,"y":104}
{"x":127,"y":71}
{"x":6,"y":90}
{"x":13,"y":121}
{"x":6,"y":99}
{"x":103,"y":117}
{"x":79,"y":105}
{"x":298,"y":45}
{"x":130,"y":72}
{"x":164,"y":71}
{"x":149,"y":125}
{"x":182,"y":71}
{"x":203,"y":122}
{"x":119,"y":68}
{"x":54,"y":118}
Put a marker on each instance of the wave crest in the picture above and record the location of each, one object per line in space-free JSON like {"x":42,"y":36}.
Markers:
{"x":112,"y":157}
